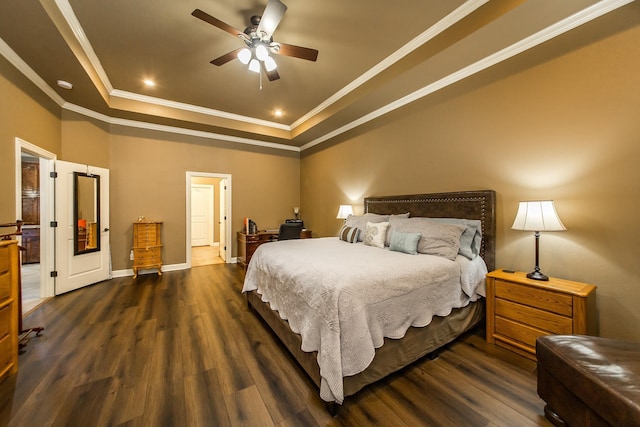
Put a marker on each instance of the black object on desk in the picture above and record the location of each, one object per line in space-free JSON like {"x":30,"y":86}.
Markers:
{"x":290,"y":230}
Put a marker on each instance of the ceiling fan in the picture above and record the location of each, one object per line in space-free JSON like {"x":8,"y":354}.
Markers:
{"x":258,"y":38}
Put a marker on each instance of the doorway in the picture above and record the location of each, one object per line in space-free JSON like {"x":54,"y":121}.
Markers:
{"x":208,"y":211}
{"x":34,"y":205}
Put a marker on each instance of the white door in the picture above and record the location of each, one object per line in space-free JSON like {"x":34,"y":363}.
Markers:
{"x":201,"y":215}
{"x":223,"y":219}
{"x":82,"y":232}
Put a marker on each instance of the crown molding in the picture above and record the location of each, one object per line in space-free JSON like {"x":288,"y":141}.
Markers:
{"x":461,"y":12}
{"x":13,"y":58}
{"x":561,"y":27}
{"x":174,"y":129}
{"x":196,"y":109}
{"x":586,"y":15}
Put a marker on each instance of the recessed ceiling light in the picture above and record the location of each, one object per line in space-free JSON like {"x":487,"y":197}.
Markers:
{"x":65,"y":85}
{"x":149,"y":82}
{"x":277,"y":112}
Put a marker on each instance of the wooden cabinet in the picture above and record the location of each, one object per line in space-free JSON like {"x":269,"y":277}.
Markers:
{"x":31,"y":192}
{"x":248,"y":243}
{"x":520,"y":309}
{"x":31,"y":244}
{"x":147,"y":246}
{"x":9,"y":271}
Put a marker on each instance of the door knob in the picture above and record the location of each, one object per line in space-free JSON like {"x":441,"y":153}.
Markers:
{"x":106,"y":229}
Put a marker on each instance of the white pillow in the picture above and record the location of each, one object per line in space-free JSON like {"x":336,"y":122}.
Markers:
{"x":375,"y":234}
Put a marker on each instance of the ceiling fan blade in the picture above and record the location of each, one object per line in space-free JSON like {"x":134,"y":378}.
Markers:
{"x":271,"y":17}
{"x":271,"y":75}
{"x":297,"y":52}
{"x":216,"y":22}
{"x":226,"y":57}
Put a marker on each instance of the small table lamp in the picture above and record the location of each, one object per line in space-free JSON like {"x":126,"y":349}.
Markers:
{"x":537,"y":216}
{"x":344,"y":211}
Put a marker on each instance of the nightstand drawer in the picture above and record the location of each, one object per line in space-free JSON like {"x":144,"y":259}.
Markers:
{"x":547,"y":300}
{"x":517,"y":332}
{"x":541,"y":319}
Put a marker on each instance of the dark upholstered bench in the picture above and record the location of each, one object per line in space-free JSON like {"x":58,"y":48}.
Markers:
{"x":589,"y":381}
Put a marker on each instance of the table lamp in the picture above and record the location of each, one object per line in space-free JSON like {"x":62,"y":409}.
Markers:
{"x":344,"y":211}
{"x":537,"y":216}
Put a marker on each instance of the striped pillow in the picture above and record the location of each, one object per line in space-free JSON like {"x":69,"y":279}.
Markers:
{"x":349,"y":234}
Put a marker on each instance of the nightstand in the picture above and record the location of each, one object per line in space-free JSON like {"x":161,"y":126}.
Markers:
{"x":520,"y":309}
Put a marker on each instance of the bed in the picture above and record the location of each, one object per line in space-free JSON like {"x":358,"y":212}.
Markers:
{"x":339,"y":358}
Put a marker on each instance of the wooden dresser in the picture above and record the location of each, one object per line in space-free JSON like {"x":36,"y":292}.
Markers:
{"x":248,"y":243}
{"x":147,"y":247}
{"x":520,"y":309}
{"x":9,"y":282}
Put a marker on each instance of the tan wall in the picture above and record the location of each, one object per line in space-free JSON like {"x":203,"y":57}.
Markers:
{"x":25,"y":112}
{"x":148,"y":177}
{"x":566,"y":129}
{"x":85,"y":140}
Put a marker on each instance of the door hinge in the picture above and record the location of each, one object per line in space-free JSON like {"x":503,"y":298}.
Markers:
{"x":225,"y":247}
{"x":53,"y":174}
{"x":54,"y":273}
{"x":53,"y":224}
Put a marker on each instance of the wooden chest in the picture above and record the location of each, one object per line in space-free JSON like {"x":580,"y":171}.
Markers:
{"x":519,"y":310}
{"x":147,"y":246}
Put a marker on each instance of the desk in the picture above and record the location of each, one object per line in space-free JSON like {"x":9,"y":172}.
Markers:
{"x":248,"y":243}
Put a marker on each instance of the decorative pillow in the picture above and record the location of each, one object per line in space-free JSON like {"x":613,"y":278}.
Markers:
{"x":405,"y":242}
{"x":439,"y":239}
{"x":471,"y":238}
{"x":392,"y":221}
{"x":349,"y":234}
{"x":360,"y":222}
{"x":375,"y":234}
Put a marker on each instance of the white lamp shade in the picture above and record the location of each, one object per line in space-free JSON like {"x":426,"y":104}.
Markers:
{"x":261,"y":52}
{"x":254,"y":66}
{"x":244,"y":56}
{"x":344,"y":211}
{"x":537,"y":215}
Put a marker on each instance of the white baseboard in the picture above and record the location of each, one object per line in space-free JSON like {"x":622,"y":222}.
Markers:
{"x":171,"y":267}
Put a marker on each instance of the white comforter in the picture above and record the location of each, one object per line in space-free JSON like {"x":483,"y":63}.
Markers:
{"x":343,"y":299}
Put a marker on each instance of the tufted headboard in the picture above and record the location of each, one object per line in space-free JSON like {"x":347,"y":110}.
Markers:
{"x":463,"y":204}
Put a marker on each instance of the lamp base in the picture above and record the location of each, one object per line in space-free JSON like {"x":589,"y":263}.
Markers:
{"x":537,"y":275}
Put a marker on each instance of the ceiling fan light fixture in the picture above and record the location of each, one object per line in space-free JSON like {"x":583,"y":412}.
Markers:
{"x":270,"y":64}
{"x":254,"y":66}
{"x":261,"y":52}
{"x":244,"y":56}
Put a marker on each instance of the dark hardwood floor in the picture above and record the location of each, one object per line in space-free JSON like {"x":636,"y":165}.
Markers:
{"x":184,"y":350}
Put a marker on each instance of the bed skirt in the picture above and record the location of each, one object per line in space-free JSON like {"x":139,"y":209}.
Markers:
{"x":394,"y":355}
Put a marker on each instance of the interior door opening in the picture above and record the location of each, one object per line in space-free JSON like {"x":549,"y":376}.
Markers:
{"x":208,"y":211}
{"x":34,"y":206}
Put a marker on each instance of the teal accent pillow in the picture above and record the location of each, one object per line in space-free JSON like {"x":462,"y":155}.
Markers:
{"x":405,"y":242}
